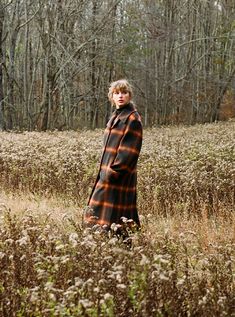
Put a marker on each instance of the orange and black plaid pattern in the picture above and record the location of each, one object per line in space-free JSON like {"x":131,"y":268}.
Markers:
{"x":114,"y":193}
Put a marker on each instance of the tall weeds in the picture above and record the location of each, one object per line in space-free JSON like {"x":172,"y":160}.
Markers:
{"x":48,"y":272}
{"x":180,"y":168}
{"x":180,"y":264}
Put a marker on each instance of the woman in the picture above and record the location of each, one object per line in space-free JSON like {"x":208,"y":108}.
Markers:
{"x":113,"y":197}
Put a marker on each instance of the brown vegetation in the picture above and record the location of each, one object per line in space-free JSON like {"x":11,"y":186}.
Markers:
{"x":191,"y":168}
{"x":180,"y":264}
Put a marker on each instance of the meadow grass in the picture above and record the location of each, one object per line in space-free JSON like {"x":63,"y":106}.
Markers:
{"x":180,"y":264}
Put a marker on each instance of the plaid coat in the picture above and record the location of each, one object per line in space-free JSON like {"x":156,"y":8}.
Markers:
{"x":114,"y":193}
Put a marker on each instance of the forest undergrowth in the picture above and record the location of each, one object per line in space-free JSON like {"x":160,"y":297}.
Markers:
{"x":180,"y":264}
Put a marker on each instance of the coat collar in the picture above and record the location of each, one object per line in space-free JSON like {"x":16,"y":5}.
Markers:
{"x":122,"y":115}
{"x":125,"y":112}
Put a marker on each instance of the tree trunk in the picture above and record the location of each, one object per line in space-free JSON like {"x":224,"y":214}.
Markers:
{"x":2,"y":122}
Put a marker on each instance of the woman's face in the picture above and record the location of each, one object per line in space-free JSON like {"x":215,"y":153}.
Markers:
{"x":121,"y":98}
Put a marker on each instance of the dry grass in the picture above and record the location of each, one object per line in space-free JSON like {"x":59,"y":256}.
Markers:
{"x":187,"y":168}
{"x":180,"y":264}
{"x":20,"y":204}
{"x":176,"y":267}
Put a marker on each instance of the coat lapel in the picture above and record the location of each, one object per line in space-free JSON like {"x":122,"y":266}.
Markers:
{"x":126,"y":112}
{"x":115,"y":121}
{"x":111,"y":120}
{"x":123,"y":116}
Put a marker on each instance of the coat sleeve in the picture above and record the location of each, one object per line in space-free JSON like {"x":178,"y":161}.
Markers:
{"x":128,"y":150}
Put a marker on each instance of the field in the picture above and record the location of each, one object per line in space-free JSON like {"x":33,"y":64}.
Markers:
{"x":182,"y":263}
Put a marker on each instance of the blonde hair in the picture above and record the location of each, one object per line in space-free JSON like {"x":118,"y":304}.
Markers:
{"x":120,"y":85}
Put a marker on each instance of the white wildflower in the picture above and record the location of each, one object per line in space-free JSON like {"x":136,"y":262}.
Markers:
{"x":73,"y":239}
{"x":96,"y":289}
{"x":163,"y":277}
{"x":108,"y":296}
{"x":23,"y":241}
{"x":121,"y":286}
{"x":85,"y":303}
{"x":144,"y":260}
{"x":2,"y":254}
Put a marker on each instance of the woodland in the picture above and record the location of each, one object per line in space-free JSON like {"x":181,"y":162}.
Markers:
{"x":58,"y":57}
{"x":57,"y":60}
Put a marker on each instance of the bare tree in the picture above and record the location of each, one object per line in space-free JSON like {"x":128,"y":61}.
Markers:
{"x":58,"y":58}
{"x":2,"y":122}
